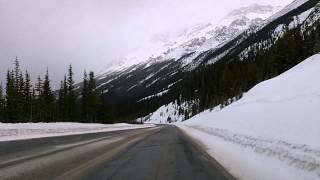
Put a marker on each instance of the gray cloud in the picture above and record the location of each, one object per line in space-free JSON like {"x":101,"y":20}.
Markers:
{"x":91,"y":33}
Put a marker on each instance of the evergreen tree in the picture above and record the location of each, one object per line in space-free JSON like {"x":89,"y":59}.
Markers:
{"x":65,"y":88}
{"x":316,"y":48}
{"x":10,"y":98}
{"x":17,"y":72}
{"x":62,"y":101}
{"x":93,"y":98}
{"x":33,"y":105}
{"x":48,"y":99}
{"x":84,"y":104}
{"x":2,"y":104}
{"x":21,"y":99}
{"x":17,"y":95}
{"x":21,"y":84}
{"x":27,"y":97}
{"x":39,"y":105}
{"x":71,"y":97}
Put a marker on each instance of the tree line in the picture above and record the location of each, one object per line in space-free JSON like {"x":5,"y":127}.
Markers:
{"x":22,"y":101}
{"x":228,"y":79}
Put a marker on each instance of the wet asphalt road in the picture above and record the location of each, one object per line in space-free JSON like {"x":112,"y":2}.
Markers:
{"x":163,"y":153}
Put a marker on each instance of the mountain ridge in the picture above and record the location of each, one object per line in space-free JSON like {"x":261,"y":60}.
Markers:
{"x":191,"y":39}
{"x":142,"y":88}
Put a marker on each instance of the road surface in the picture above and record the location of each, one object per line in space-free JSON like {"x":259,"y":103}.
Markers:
{"x":161,"y":153}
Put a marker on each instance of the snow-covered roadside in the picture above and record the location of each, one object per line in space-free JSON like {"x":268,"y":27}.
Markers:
{"x":250,"y":158}
{"x":272,"y":132}
{"x":19,"y":131}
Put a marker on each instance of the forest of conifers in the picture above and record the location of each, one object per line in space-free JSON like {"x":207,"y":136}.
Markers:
{"x":21,"y":101}
{"x":229,"y":78}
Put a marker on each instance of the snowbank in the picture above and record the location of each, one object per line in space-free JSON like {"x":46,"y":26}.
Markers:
{"x":165,"y":114}
{"x":21,"y":131}
{"x":272,"y":132}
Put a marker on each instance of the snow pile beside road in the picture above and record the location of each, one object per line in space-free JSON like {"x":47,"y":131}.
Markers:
{"x":272,"y":132}
{"x":20,"y":131}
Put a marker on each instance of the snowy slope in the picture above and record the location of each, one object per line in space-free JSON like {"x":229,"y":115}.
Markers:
{"x":149,"y":81}
{"x":165,"y":114}
{"x":295,"y":4}
{"x":147,"y":73}
{"x":277,"y":122}
{"x":198,"y":38}
{"x":9,"y":132}
{"x":302,"y":20}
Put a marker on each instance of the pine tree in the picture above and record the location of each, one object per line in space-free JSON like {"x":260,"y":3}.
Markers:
{"x":10,"y":98}
{"x":17,"y":72}
{"x":33,"y":107}
{"x":39,"y":105}
{"x":84,"y":104}
{"x":316,"y":48}
{"x":61,"y":101}
{"x":17,"y":96}
{"x":48,"y":99}
{"x":65,"y":88}
{"x":21,"y":84}
{"x":92,"y":98}
{"x":39,"y":86}
{"x":2,"y":104}
{"x":71,"y":97}
{"x":21,"y":99}
{"x":27,"y":97}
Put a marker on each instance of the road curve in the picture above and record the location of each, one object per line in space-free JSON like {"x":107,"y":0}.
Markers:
{"x":161,"y":153}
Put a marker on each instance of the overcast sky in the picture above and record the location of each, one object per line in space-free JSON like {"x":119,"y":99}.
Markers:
{"x":91,"y":33}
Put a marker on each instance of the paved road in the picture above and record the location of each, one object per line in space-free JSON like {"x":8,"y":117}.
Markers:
{"x":161,"y":153}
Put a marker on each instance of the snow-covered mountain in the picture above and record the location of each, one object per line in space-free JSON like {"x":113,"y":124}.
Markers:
{"x":177,"y":51}
{"x":142,"y":85}
{"x":153,"y":71}
{"x":198,"y":38}
{"x":299,"y":17}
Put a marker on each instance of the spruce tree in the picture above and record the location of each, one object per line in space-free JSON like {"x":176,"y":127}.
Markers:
{"x":27,"y":97}
{"x":21,"y":99}
{"x":316,"y":48}
{"x":17,"y":72}
{"x":48,"y":99}
{"x":65,"y":88}
{"x":84,"y":104}
{"x":39,"y":105}
{"x":17,"y":96}
{"x":10,"y":98}
{"x":93,"y":98}
{"x":33,"y":106}
{"x":21,"y":84}
{"x":61,"y":102}
{"x":71,"y":97}
{"x":2,"y":104}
